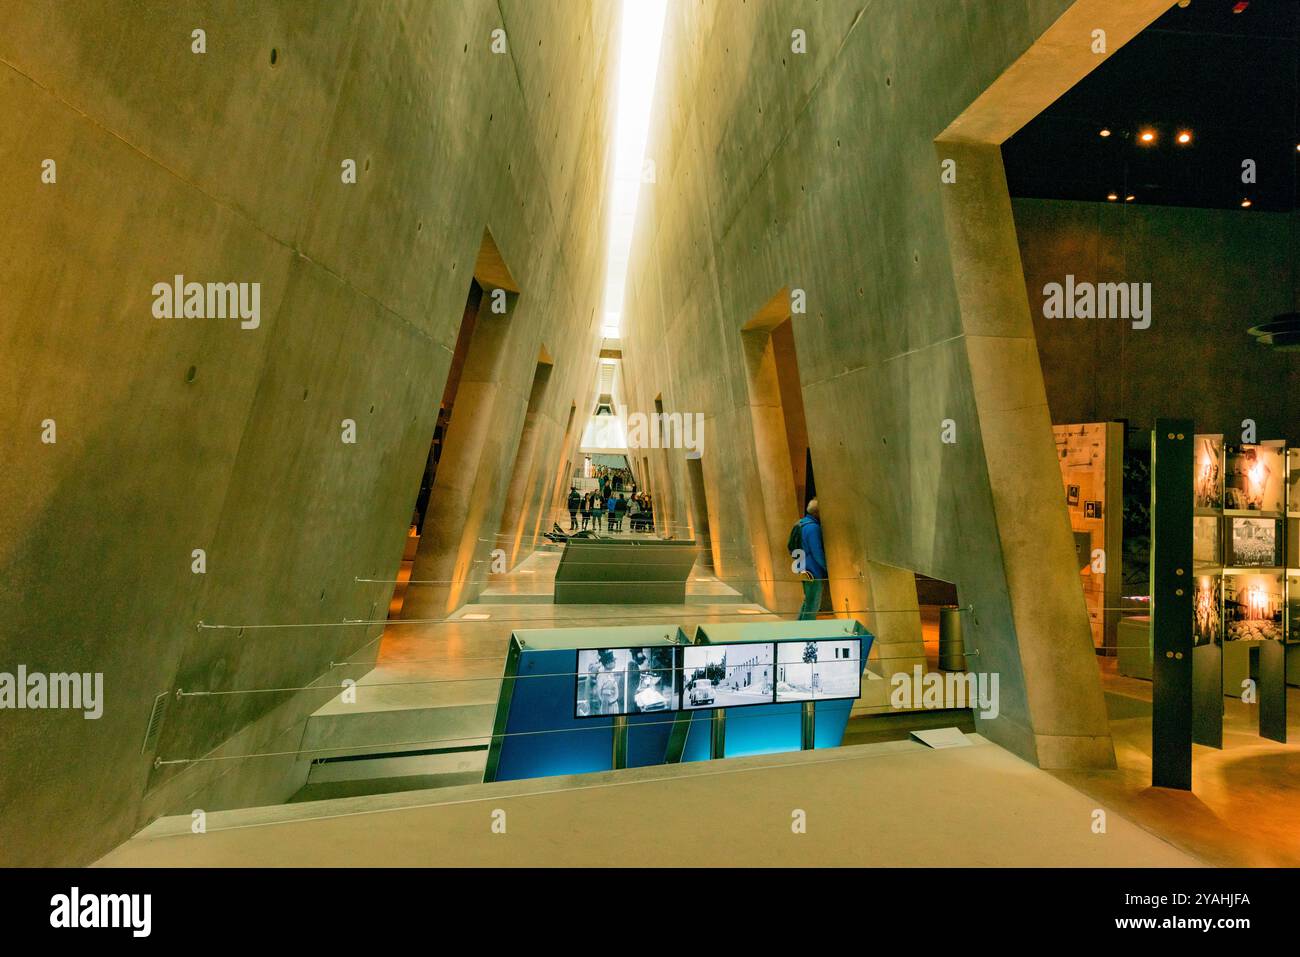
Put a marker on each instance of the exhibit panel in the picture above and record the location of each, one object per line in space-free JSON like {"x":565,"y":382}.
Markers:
{"x":576,"y":700}
{"x":1091,"y":457}
{"x":814,"y":669}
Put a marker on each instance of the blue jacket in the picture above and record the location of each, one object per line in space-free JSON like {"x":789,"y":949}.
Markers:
{"x":814,"y":555}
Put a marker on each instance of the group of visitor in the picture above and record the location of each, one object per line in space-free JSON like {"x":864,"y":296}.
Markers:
{"x":611,"y":508}
{"x":610,"y":478}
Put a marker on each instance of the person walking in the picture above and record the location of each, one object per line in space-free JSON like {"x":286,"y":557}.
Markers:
{"x":575,"y":501}
{"x":806,"y":548}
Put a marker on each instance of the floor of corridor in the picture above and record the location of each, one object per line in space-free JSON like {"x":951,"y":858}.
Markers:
{"x":888,"y":802}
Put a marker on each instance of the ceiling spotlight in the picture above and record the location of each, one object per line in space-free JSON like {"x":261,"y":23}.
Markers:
{"x":1147,"y":136}
{"x":1129,"y":198}
{"x":1240,"y":6}
{"x":1246,"y":204}
{"x":1106,"y":132}
{"x":1112,"y":196}
{"x":1185,"y":137}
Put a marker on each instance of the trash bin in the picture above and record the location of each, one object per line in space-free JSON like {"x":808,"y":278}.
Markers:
{"x":952,"y":650}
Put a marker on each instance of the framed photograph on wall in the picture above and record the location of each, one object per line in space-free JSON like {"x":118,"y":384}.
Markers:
{"x":1072,"y":495}
{"x":1207,"y":548}
{"x":1255,"y":478}
{"x":1209,"y":472}
{"x":1207,"y":610}
{"x":1253,"y":542}
{"x":1253,"y":607}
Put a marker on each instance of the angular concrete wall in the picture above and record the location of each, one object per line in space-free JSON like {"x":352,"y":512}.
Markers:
{"x":819,"y":171}
{"x":174,"y":435}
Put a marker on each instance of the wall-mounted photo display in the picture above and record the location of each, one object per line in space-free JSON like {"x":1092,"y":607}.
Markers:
{"x":1253,"y":606}
{"x":1255,"y":478}
{"x":1207,"y":612}
{"x":1253,"y":542}
{"x":727,"y":676}
{"x":1209,"y":471}
{"x":818,"y":670}
{"x":622,"y":681}
{"x":1207,"y":547}
{"x":1091,"y":457}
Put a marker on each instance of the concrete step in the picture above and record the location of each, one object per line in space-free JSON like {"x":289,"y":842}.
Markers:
{"x":390,"y":773}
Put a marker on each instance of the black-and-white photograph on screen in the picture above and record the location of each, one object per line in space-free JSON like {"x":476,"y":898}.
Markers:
{"x":726,"y":676}
{"x":815,"y":670}
{"x":614,"y":681}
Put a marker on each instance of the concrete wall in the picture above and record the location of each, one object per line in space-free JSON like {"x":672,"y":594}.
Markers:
{"x":193,"y":433}
{"x":1213,"y":273}
{"x":819,"y":171}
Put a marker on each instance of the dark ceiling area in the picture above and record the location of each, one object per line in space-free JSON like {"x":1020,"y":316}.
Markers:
{"x":1229,"y":79}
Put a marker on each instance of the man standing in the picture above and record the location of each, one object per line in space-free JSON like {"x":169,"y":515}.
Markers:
{"x":813,"y":560}
{"x":574,"y":501}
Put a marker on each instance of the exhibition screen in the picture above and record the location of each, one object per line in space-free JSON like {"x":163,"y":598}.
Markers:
{"x":626,"y":681}
{"x":727,"y":676}
{"x":623,"y":681}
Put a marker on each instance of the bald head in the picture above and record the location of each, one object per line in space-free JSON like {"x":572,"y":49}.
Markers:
{"x":814,"y":510}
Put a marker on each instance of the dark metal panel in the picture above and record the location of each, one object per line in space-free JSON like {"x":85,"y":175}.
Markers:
{"x":1171,"y":603}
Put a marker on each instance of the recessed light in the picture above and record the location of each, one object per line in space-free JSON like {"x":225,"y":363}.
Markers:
{"x":1103,"y":132}
{"x":1129,"y":198}
{"x":1184,"y":137}
{"x":1112,"y":196}
{"x":1147,"y":136}
{"x":1246,"y":204}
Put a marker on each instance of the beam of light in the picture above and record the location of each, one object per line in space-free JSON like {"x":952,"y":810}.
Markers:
{"x":638,"y":66}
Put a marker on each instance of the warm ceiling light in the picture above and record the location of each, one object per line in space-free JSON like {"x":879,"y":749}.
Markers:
{"x":1148,"y":136}
{"x":1103,"y":132}
{"x":1184,"y":137}
{"x":1112,"y":196}
{"x":1129,"y":198}
{"x":1246,"y":204}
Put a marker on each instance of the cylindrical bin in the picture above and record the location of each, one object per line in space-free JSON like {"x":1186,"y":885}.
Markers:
{"x":952,"y":650}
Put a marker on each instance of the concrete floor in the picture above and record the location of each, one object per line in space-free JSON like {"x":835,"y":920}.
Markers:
{"x":897,"y":804}
{"x":1242,"y":809}
{"x":977,"y":806}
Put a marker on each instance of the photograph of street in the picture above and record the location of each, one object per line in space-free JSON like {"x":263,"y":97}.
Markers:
{"x":725,"y":676}
{"x":809,"y":670}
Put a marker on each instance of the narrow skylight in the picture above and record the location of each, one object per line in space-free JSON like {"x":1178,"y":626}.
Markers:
{"x":638,"y":65}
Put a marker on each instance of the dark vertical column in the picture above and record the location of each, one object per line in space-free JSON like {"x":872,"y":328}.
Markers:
{"x":1272,"y":690}
{"x":1171,"y":603}
{"x":718,"y":734}
{"x":808,"y":726}
{"x":620,"y":743}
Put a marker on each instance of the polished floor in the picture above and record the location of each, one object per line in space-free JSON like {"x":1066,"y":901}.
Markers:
{"x":889,"y":805}
{"x":1244,"y":806}
{"x":877,"y":801}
